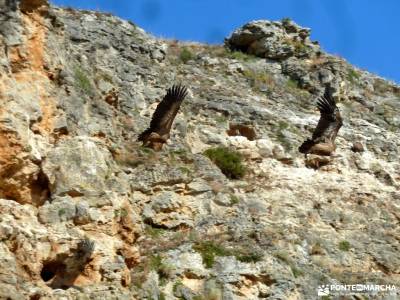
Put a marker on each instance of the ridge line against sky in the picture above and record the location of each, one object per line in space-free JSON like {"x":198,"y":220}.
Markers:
{"x":364,"y":33}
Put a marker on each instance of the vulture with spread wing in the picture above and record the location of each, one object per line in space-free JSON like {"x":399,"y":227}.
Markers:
{"x":158,"y":133}
{"x":323,"y":138}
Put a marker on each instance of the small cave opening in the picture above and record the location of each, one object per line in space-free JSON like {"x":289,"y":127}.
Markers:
{"x":242,"y":130}
{"x":51,"y":269}
{"x":40,"y":189}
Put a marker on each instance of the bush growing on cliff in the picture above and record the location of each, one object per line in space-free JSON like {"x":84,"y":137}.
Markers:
{"x":185,"y":55}
{"x":209,"y":250}
{"x":82,"y":81}
{"x":239,"y":55}
{"x":229,"y":161}
{"x":259,"y":79}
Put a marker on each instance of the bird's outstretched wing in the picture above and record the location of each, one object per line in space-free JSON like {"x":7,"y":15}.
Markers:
{"x":165,"y":112}
{"x":329,"y":122}
{"x":327,"y":127}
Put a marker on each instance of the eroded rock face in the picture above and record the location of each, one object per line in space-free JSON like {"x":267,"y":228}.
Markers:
{"x":77,"y":87}
{"x":78,"y":167}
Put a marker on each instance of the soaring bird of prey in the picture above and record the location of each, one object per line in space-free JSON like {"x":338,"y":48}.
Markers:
{"x":158,"y":133}
{"x":323,"y":138}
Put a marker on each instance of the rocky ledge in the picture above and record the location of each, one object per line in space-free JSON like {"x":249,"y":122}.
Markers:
{"x":87,"y":213}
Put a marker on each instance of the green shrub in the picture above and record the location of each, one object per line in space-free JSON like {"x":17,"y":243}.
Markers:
{"x":185,"y":55}
{"x":209,"y":250}
{"x":286,"y":20}
{"x":292,"y":84}
{"x":153,"y":231}
{"x":229,"y":161}
{"x":296,"y":271}
{"x":156,"y":263}
{"x":259,"y":79}
{"x":248,"y":256}
{"x":283,"y":256}
{"x":239,"y":55}
{"x":82,"y":81}
{"x":344,"y":246}
{"x":353,"y":76}
{"x":234,"y":199}
{"x":176,"y":285}
{"x":120,"y":213}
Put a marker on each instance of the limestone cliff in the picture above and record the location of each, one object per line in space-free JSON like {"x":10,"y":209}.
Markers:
{"x":87,"y":213}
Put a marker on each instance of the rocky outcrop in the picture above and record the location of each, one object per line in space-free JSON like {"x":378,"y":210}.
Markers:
{"x":274,"y":40}
{"x":300,"y":58}
{"x":86,"y":212}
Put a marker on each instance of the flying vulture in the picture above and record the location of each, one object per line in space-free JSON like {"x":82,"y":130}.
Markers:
{"x":323,"y":138}
{"x":158,"y":133}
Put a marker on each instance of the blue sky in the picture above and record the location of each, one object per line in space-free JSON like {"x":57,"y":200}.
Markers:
{"x":365,"y":32}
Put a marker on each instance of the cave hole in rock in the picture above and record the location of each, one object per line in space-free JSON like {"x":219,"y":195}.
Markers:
{"x":40,"y":189}
{"x":51,"y":269}
{"x":242,"y":130}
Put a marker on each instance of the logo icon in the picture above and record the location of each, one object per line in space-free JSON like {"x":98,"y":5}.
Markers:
{"x":323,"y":290}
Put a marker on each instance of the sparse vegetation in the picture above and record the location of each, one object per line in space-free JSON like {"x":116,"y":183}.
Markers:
{"x":146,"y":150}
{"x":155,"y":262}
{"x":382,"y":87}
{"x":153,"y":231}
{"x":282,"y":125}
{"x":120,"y":213}
{"x":299,"y":47}
{"x":296,"y":271}
{"x":239,"y":55}
{"x":281,"y":137}
{"x":224,"y":52}
{"x":185,"y":170}
{"x":176,"y":285}
{"x":209,"y":250}
{"x":179,"y":152}
{"x":259,"y":79}
{"x":283,"y":256}
{"x":185,"y":55}
{"x":221,"y":119}
{"x":353,"y":76}
{"x":292,"y":84}
{"x":132,"y":157}
{"x":82,"y":81}
{"x":344,"y":246}
{"x":234,"y":199}
{"x":229,"y":161}
{"x":248,"y":257}
{"x":163,"y":270}
{"x":286,"y":20}
{"x":61,"y":212}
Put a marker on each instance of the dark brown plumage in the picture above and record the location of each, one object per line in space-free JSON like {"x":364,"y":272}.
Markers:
{"x":323,"y":138}
{"x":158,"y":133}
